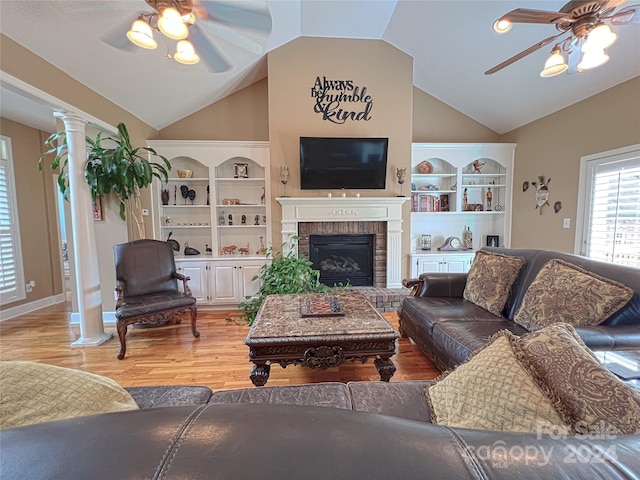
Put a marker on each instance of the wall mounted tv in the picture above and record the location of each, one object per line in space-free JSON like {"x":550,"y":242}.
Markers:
{"x":336,"y":163}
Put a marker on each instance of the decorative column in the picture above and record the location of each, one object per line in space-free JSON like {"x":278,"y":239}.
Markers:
{"x":84,"y":240}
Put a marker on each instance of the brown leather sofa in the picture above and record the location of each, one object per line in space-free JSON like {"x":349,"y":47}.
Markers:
{"x":448,"y":328}
{"x":314,"y":431}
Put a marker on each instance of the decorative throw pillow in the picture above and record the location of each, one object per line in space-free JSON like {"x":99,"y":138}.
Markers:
{"x":588,"y":397}
{"x":490,"y":278}
{"x":35,"y":393}
{"x":562,"y":292}
{"x":491,"y":391}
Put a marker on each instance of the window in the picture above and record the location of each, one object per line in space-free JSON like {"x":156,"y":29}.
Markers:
{"x":11,"y":273}
{"x":610,"y":195}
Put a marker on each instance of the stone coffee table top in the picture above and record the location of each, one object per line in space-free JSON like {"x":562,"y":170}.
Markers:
{"x":280,"y":317}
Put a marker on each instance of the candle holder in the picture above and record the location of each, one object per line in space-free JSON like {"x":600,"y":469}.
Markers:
{"x":284,"y":178}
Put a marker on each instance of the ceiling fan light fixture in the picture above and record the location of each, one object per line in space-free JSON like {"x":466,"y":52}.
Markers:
{"x":555,"y":64}
{"x":170,"y":23}
{"x":599,"y":38}
{"x":501,"y":25}
{"x":141,"y":34}
{"x":593,"y":59}
{"x":185,"y":53}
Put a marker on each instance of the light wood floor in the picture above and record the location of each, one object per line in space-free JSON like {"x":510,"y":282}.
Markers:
{"x":170,"y":355}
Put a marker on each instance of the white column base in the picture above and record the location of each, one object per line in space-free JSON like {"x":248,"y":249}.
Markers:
{"x":92,"y":342}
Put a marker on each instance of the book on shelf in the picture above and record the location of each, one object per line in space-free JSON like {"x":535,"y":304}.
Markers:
{"x":428,"y":202}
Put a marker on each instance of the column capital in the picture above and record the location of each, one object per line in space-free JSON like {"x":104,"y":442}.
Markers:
{"x":72,"y":121}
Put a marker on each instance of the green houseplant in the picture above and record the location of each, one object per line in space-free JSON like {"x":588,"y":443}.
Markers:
{"x":118,"y":168}
{"x":283,"y":274}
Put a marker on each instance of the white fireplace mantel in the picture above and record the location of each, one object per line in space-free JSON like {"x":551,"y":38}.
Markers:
{"x":350,"y":209}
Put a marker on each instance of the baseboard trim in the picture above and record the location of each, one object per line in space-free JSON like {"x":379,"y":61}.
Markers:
{"x":108,"y":318}
{"x":13,"y":312}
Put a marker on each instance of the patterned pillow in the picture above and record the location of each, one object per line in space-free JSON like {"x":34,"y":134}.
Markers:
{"x":490,"y":278}
{"x":34,"y":393}
{"x":491,"y":391}
{"x":588,"y":397}
{"x":562,"y":292}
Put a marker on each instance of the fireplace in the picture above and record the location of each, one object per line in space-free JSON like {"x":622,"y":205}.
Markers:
{"x":381,"y":216}
{"x":343,"y":259}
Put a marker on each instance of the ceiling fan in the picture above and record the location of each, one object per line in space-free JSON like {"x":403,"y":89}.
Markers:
{"x":183,"y":21}
{"x":586,"y":24}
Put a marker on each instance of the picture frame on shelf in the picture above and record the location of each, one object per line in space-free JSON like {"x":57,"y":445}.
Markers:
{"x":241,"y":170}
{"x":493,"y":240}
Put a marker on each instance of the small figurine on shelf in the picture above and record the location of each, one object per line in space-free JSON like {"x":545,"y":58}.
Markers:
{"x":230,"y":219}
{"x":477,"y":166}
{"x":262,"y":197}
{"x":264,"y":219}
{"x":244,"y":250}
{"x":261,"y":250}
{"x":207,"y":249}
{"x":164,"y":196}
{"x":221,"y":219}
{"x":243,"y":220}
{"x":489,"y":198}
{"x":208,"y":195}
{"x":465,"y":203}
{"x":256,"y":220}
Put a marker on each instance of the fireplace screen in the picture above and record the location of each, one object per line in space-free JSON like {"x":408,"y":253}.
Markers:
{"x":343,"y":258}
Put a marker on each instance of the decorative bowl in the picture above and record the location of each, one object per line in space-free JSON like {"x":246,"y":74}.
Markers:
{"x":184,"y":173}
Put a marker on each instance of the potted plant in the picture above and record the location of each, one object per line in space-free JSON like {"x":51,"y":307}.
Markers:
{"x":119,"y":168}
{"x":284,"y":274}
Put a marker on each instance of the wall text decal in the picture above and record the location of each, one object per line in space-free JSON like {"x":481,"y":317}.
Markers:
{"x":332,"y":95}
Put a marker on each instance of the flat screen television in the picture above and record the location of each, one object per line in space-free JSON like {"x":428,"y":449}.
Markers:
{"x":336,"y":163}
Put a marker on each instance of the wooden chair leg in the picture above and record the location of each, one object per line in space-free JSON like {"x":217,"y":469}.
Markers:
{"x":122,"y":332}
{"x":194,"y":316}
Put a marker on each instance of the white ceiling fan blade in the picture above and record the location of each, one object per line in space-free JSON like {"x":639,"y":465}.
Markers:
{"x":238,"y":13}
{"x":209,"y":54}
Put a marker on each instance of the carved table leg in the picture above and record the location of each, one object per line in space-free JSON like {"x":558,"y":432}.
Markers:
{"x":260,"y":374}
{"x":385,"y":368}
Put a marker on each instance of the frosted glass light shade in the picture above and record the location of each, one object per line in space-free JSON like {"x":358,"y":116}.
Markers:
{"x":599,"y":38}
{"x":593,"y":59}
{"x":554,"y":65}
{"x":501,"y":26}
{"x":170,"y":23}
{"x":185,"y":53}
{"x":141,"y":35}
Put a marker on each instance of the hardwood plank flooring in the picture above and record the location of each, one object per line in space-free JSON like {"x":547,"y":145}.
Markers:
{"x":170,"y":355}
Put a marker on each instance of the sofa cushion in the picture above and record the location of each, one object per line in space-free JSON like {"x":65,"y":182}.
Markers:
{"x":454,"y":342}
{"x":398,"y":399}
{"x":35,"y":393}
{"x":589,"y":397}
{"x":490,"y":278}
{"x":562,"y":292}
{"x":170,"y":396}
{"x":491,"y":392}
{"x":327,"y":394}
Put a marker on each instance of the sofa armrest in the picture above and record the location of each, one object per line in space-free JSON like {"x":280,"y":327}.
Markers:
{"x":437,"y":285}
{"x":603,"y":337}
{"x":185,"y":283}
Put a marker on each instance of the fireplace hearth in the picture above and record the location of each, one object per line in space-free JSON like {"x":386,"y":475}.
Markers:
{"x":343,"y":259}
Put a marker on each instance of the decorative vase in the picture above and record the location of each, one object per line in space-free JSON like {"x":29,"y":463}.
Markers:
{"x":467,"y":238}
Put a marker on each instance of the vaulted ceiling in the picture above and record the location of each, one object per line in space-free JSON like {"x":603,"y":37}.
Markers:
{"x":452,"y":44}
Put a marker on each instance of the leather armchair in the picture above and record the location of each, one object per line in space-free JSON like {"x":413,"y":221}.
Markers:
{"x":147,"y":288}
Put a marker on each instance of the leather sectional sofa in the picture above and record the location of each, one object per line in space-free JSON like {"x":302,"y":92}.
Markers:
{"x":448,"y":329}
{"x":361,"y":430}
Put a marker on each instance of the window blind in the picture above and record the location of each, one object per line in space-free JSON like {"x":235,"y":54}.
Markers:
{"x":11,"y":283}
{"x":614,"y":224}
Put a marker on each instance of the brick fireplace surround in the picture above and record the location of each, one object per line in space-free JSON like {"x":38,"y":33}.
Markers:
{"x":381,"y":216}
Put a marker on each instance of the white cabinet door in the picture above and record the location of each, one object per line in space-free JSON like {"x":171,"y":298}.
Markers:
{"x":224,"y":277}
{"x":198,"y":283}
{"x":248,"y":286}
{"x":454,"y":264}
{"x":425,"y":265}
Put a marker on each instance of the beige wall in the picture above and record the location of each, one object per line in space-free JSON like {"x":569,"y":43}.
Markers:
{"x":435,"y":121}
{"x":36,"y":213}
{"x":552,"y":147}
{"x":243,"y":115}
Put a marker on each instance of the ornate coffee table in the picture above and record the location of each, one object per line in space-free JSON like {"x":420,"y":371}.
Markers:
{"x":281,"y":334}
